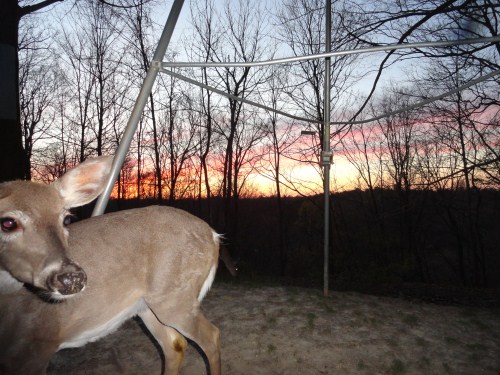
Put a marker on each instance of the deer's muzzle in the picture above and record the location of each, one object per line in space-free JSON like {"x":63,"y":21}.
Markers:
{"x":69,"y":280}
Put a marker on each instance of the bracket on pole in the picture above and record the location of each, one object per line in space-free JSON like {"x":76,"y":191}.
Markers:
{"x":326,"y":158}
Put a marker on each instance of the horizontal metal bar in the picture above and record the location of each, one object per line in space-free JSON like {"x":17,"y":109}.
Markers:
{"x":234,"y":97}
{"x":414,"y":106}
{"x":388,"y":47}
{"x":424,"y":102}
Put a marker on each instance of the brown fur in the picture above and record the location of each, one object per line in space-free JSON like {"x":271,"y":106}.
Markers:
{"x":152,"y":262}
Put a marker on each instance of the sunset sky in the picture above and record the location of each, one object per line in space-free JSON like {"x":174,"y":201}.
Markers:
{"x":349,"y":99}
{"x":342,"y":172}
{"x":342,"y":178}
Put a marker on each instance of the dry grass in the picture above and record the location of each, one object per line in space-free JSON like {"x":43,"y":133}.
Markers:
{"x":278,"y":330}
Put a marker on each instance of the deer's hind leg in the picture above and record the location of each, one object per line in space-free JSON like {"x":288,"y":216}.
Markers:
{"x":172,"y":342}
{"x":192,"y":324}
{"x":207,"y":336}
{"x":199,"y":329}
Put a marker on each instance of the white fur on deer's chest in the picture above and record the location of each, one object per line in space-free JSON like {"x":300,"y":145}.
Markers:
{"x":105,"y":329}
{"x":8,"y":284}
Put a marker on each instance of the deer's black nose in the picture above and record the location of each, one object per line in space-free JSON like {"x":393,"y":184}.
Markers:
{"x":69,"y":280}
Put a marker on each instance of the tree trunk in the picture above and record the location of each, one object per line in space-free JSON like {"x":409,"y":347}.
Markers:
{"x":12,"y":157}
{"x":158,"y":172}
{"x":206,"y":150}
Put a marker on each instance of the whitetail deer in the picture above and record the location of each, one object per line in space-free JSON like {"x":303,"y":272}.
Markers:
{"x":156,"y":262}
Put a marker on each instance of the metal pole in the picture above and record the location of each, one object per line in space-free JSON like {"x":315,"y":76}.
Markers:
{"x":287,"y":60}
{"x":326,"y":154}
{"x":140,"y":103}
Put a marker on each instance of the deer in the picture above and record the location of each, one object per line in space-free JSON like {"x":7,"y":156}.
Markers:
{"x":65,"y":284}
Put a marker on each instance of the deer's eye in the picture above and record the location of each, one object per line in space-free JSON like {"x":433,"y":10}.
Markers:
{"x":8,"y":224}
{"x":68,"y":219}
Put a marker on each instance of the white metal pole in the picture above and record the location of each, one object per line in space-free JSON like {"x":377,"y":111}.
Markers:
{"x":140,"y":103}
{"x":326,"y":154}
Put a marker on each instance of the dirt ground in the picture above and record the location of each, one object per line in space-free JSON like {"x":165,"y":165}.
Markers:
{"x":288,"y":330}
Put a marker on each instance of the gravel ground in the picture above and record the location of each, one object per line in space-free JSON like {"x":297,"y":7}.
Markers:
{"x":288,"y":330}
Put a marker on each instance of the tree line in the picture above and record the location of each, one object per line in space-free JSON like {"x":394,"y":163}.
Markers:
{"x":81,"y":65}
{"x":77,"y":83}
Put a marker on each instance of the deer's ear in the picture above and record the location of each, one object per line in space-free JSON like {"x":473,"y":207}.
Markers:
{"x":85,"y":182}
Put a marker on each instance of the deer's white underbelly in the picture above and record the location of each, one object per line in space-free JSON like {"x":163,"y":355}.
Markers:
{"x":105,"y":329}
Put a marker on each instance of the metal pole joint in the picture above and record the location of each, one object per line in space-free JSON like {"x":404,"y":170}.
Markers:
{"x":157,"y":65}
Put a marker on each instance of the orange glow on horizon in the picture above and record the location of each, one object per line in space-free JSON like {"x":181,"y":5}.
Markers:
{"x":297,"y":179}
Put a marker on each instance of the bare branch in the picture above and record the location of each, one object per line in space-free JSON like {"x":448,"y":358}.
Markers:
{"x":35,"y":7}
{"x":134,"y":5}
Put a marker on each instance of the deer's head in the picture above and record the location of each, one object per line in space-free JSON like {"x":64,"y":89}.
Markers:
{"x":33,"y":227}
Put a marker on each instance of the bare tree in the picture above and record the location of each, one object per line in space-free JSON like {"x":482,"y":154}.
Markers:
{"x":179,"y":132}
{"x":81,"y":86}
{"x":280,"y":136}
{"x":140,"y":25}
{"x":243,"y":38}
{"x":240,"y":37}
{"x":102,"y":60}
{"x":11,"y":150}
{"x":415,"y":21}
{"x":453,"y":124}
{"x":207,"y":36}
{"x":302,"y":30}
{"x":39,"y":79}
{"x":399,"y":132}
